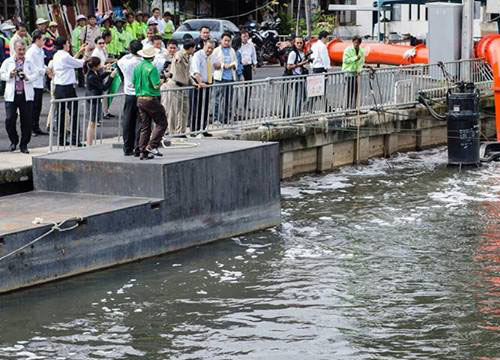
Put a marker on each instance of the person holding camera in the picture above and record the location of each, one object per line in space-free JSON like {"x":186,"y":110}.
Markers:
{"x":98,"y":81}
{"x":296,"y":63}
{"x":19,"y":73}
{"x":353,"y":61}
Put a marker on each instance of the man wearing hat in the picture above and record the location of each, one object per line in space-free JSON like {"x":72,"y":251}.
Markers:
{"x":5,"y":30}
{"x":48,"y":40}
{"x":54,"y":33}
{"x":146,"y":80}
{"x":142,"y":26}
{"x":89,"y":34}
{"x":121,"y":38}
{"x":76,"y":44}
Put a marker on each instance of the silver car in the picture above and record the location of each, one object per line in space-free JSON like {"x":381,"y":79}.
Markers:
{"x":217,"y":28}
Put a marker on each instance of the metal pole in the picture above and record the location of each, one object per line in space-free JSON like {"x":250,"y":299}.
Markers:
{"x":467,"y":29}
{"x":379,"y":6}
{"x":307,"y":9}
{"x":298,"y":18}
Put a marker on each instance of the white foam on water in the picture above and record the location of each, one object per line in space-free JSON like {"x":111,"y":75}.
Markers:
{"x":291,"y":192}
{"x":201,"y":292}
{"x":230,"y":276}
{"x":301,"y":252}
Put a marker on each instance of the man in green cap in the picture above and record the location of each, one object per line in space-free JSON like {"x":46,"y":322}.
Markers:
{"x":146,"y":80}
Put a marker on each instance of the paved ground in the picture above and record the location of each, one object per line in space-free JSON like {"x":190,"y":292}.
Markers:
{"x":109,"y":126}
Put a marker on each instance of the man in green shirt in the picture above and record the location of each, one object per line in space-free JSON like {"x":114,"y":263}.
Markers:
{"x":131,"y":26}
{"x":76,"y":44}
{"x":142,"y":26}
{"x":146,"y":80}
{"x":169,"y":28}
{"x":353,"y":61}
{"x":121,"y":38}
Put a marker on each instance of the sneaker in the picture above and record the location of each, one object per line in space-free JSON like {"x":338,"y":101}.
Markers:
{"x":146,"y":156}
{"x":153,"y":151}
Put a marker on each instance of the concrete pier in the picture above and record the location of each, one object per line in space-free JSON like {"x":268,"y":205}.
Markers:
{"x":132,"y":209}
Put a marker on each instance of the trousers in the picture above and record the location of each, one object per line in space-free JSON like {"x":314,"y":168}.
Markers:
{"x":130,"y":124}
{"x":25,"y":110}
{"x":200,"y":109}
{"x":65,"y":92}
{"x":150,"y":110}
{"x":37,"y":109}
{"x":178,"y":111}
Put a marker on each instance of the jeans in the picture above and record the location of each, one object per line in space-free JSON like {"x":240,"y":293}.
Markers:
{"x":224,"y":99}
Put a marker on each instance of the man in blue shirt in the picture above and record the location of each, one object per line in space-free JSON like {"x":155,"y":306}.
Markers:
{"x":225,"y":63}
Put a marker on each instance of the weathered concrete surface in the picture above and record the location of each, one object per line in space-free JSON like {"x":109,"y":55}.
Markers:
{"x":138,"y":208}
{"x":324,"y":144}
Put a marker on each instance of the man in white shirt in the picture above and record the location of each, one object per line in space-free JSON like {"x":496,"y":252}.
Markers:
{"x":201,"y":71}
{"x":127,"y":65}
{"x":160,"y":24}
{"x":248,"y":56}
{"x":321,"y":59}
{"x":64,"y":66}
{"x":19,"y":73}
{"x":37,"y":56}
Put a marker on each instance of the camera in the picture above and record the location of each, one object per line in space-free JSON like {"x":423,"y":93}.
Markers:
{"x":20,"y":74}
{"x":307,"y":56}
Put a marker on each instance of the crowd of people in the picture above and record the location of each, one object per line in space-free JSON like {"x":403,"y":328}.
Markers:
{"x":140,"y":51}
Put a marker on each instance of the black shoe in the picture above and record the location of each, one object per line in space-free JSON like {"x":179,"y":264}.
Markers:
{"x":207,"y":134}
{"x":137,"y":153}
{"x":24,"y":150}
{"x":12,"y":147}
{"x":39,"y":132}
{"x":109,"y":116}
{"x":153,"y":151}
{"x":128,"y":153}
{"x":146,"y":156}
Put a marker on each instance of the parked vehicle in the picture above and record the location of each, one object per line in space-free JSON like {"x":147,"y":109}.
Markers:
{"x":265,"y":38}
{"x":217,"y":28}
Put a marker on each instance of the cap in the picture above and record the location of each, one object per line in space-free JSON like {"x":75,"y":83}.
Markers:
{"x":41,"y":21}
{"x":53,"y":23}
{"x":7,"y":26}
{"x":148,"y":52}
{"x":81,"y":17}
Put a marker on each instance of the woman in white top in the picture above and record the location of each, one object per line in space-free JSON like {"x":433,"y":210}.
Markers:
{"x":100,"y":50}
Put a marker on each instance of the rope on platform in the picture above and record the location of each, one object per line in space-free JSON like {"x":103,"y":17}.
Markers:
{"x":55,"y":227}
{"x":179,"y":144}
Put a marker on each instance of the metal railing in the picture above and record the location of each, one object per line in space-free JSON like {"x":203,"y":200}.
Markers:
{"x":280,"y":100}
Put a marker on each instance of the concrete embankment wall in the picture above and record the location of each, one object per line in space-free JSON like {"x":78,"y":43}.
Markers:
{"x":321,"y":145}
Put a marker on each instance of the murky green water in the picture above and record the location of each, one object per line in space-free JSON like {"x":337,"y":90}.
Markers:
{"x":395,"y":260}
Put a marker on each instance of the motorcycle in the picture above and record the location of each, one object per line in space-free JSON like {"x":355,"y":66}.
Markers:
{"x":265,"y":38}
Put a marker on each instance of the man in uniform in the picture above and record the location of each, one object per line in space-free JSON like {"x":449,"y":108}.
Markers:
{"x":179,"y":111}
{"x":146,"y":80}
{"x":76,"y":44}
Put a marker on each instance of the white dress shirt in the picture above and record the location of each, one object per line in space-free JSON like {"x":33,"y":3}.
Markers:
{"x":199,"y":65}
{"x":127,"y":65}
{"x":248,"y":54}
{"x":64,"y":68}
{"x":10,"y":86}
{"x":101,"y":54}
{"x":160,"y":22}
{"x":37,"y":57}
{"x":320,"y":56}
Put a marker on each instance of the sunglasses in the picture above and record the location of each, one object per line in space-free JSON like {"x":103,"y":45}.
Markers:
{"x":100,"y":43}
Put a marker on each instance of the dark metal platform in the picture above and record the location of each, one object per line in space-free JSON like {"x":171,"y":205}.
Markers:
{"x":135,"y":209}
